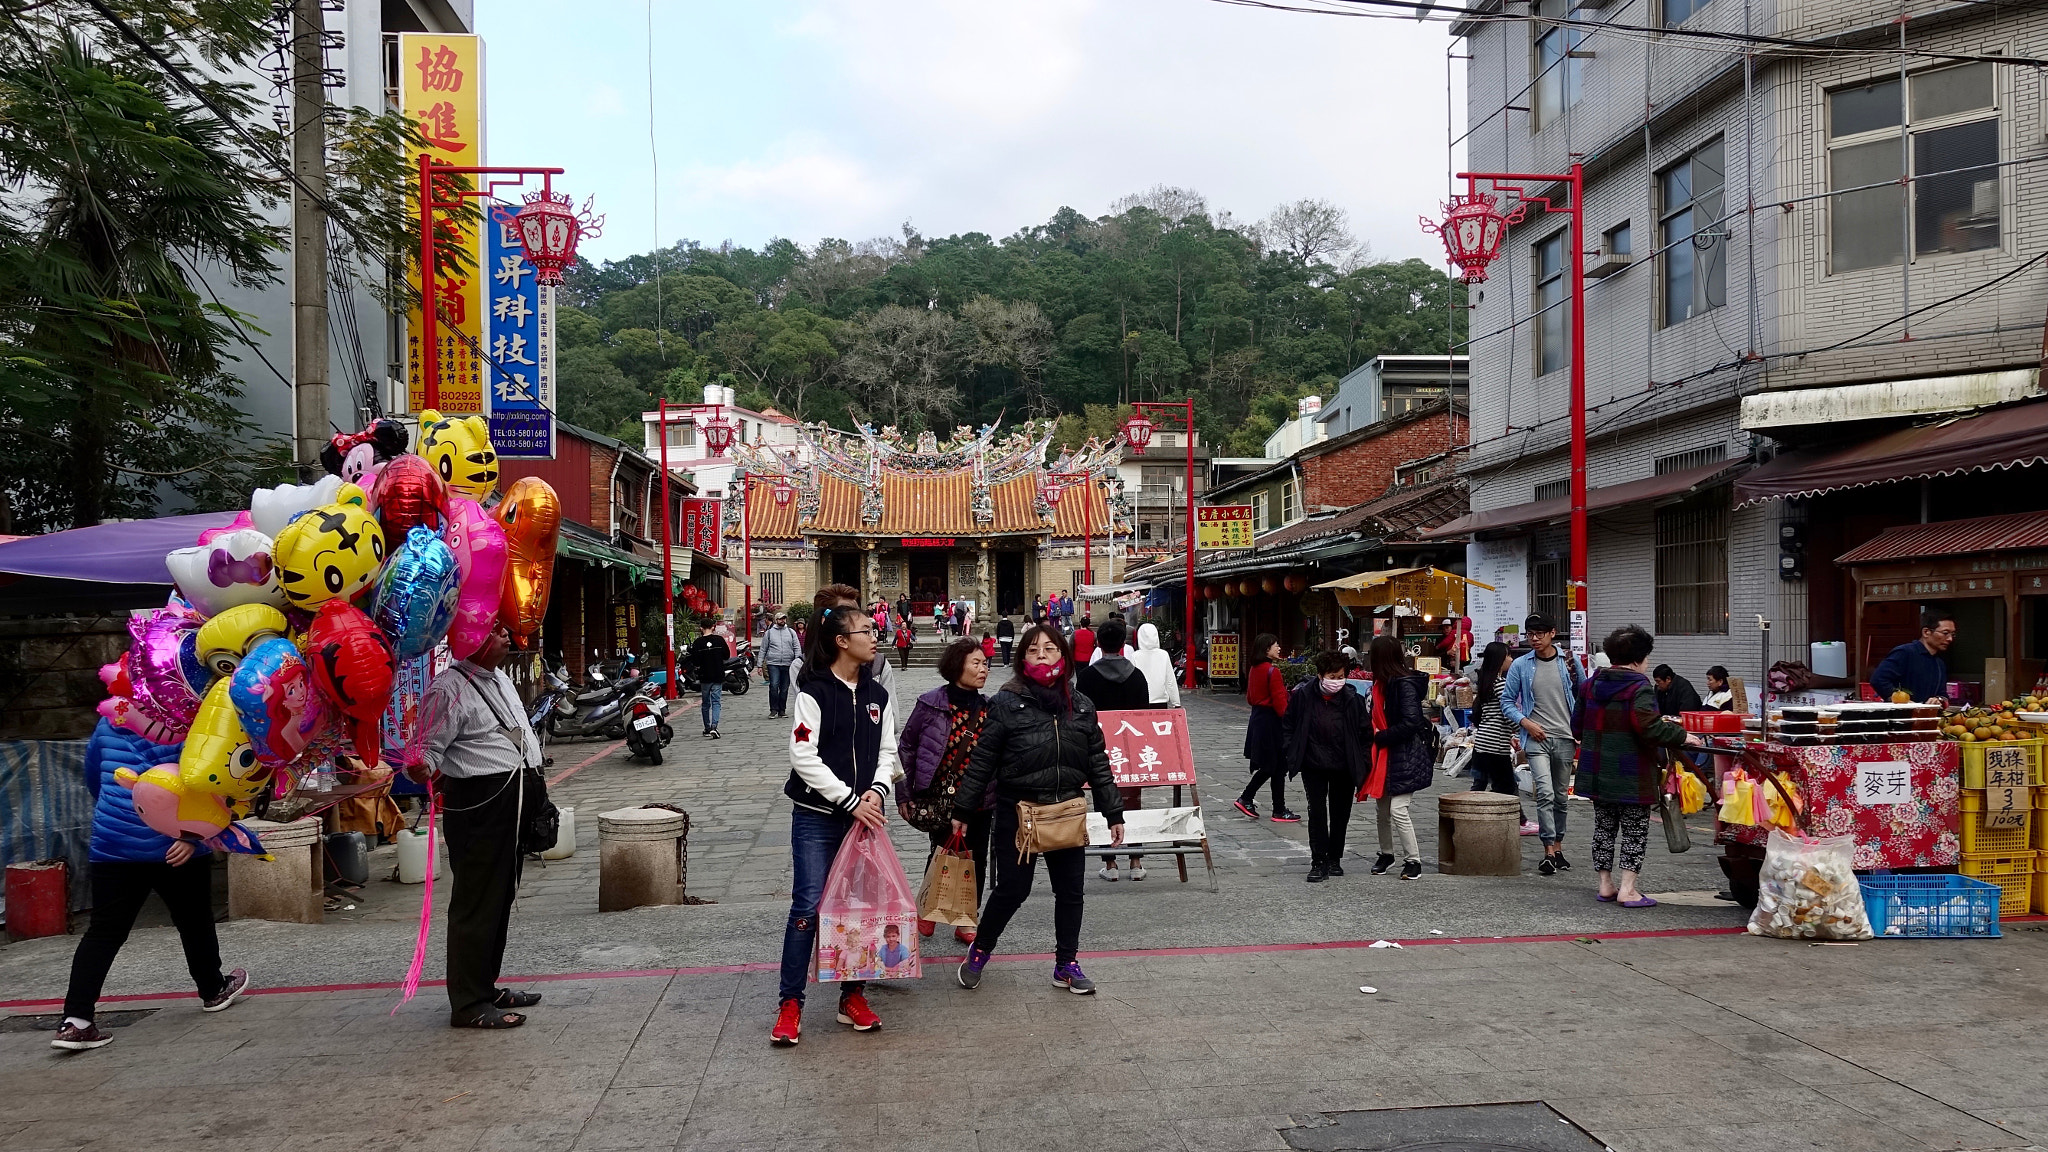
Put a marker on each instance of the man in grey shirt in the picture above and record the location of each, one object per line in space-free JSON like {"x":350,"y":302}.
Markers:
{"x":778,"y":652}
{"x":478,"y":746}
{"x":1541,"y":696}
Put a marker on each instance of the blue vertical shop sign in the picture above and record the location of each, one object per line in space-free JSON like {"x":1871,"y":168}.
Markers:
{"x":519,"y":342}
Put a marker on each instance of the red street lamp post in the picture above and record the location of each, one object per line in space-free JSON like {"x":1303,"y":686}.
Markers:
{"x":1138,"y":431}
{"x":1055,"y":482}
{"x":717,"y":437}
{"x":548,"y":228}
{"x":1473,"y":229}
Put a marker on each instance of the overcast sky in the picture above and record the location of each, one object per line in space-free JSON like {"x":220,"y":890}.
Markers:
{"x":846,"y":119}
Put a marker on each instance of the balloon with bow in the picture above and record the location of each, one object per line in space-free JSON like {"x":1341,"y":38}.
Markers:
{"x":408,"y":494}
{"x":228,"y":570}
{"x":275,"y":699}
{"x":416,"y":593}
{"x":478,"y":542}
{"x":353,"y":667}
{"x":531,"y":516}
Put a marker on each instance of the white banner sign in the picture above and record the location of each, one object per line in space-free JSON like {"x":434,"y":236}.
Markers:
{"x":1505,"y":565}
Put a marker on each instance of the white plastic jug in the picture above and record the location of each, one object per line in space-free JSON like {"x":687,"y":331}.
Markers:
{"x":1828,"y":658}
{"x":565,"y":839}
{"x":412,"y":856}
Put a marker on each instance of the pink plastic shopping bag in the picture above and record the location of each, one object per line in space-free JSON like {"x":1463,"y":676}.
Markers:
{"x":867,"y":918}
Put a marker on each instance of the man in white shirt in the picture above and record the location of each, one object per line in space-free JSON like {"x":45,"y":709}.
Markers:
{"x":478,"y":747}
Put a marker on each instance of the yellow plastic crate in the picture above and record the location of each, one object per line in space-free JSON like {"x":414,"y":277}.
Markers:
{"x":2037,"y":838}
{"x":2038,"y":902}
{"x":1981,"y":841}
{"x":1973,"y":760}
{"x":2014,"y":875}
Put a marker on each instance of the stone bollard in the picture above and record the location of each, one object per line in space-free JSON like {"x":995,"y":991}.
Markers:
{"x":641,"y":857}
{"x":288,"y":887}
{"x":1478,"y":834}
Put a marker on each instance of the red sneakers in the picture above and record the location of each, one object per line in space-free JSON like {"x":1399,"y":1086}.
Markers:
{"x":854,"y":1010}
{"x":789,"y":1024}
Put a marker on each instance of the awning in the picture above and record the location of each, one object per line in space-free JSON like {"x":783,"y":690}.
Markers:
{"x":2017,"y":532}
{"x":2001,"y":438}
{"x":579,"y":546}
{"x":1670,"y":486}
{"x":1391,"y":585}
{"x":1111,"y":591}
{"x":1797,"y":407}
{"x":131,"y":552}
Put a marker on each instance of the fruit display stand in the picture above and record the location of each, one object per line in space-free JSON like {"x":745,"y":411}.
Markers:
{"x":1901,"y":802}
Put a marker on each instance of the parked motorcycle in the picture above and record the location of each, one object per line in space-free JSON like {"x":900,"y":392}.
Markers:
{"x":737,"y":670}
{"x":595,"y":711}
{"x":647,"y":728}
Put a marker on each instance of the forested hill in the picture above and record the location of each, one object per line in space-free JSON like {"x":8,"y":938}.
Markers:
{"x":1158,"y":300}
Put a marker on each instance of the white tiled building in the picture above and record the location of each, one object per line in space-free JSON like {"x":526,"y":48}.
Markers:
{"x":1694,"y":303}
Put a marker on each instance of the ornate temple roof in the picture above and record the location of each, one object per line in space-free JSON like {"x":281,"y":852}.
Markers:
{"x":870,"y":483}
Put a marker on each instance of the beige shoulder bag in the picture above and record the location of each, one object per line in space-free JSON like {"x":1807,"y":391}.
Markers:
{"x":1051,"y":827}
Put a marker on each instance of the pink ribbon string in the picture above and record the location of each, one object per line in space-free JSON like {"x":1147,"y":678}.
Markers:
{"x":419,"y":945}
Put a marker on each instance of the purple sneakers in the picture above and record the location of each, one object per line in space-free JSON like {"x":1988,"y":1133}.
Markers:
{"x":238,"y":983}
{"x":1070,"y":977}
{"x":72,"y":1038}
{"x":970,"y":968}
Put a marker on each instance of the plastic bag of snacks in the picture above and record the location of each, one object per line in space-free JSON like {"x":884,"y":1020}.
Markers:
{"x":1808,"y":891}
{"x":1692,"y":795}
{"x":1738,"y":799}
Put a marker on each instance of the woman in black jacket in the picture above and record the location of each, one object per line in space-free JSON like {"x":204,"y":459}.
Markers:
{"x":1040,"y":744}
{"x":1325,"y":739}
{"x":1403,"y":755}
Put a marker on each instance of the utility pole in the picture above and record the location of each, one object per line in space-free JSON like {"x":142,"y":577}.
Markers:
{"x":309,"y":236}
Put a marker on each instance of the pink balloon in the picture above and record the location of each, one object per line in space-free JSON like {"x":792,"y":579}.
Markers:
{"x":240,"y":522}
{"x":167,"y":808}
{"x":156,"y":670}
{"x":478,"y":541}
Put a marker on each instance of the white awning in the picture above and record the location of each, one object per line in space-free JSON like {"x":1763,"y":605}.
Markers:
{"x":1795,"y":407}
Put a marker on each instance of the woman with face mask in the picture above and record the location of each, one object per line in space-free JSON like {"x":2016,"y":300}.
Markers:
{"x":1325,"y":740}
{"x":1039,"y":745}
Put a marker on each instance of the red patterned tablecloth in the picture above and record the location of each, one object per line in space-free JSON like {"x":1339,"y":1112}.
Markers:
{"x":1918,"y":834}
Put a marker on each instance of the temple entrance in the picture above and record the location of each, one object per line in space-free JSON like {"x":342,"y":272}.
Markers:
{"x":846,"y":569}
{"x":927,"y":570}
{"x":1009,"y":583}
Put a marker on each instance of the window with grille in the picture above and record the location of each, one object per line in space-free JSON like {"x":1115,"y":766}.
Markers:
{"x":1552,"y":346}
{"x":1159,"y":479}
{"x":1548,"y":577}
{"x":1692,"y":566}
{"x":1553,"y":489}
{"x":770,"y":590}
{"x":1949,"y":118}
{"x":1694,"y":264}
{"x":1697,"y":458}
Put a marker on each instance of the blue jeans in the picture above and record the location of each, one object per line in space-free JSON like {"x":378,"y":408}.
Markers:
{"x":1551,"y":763}
{"x":714,"y":695}
{"x":778,"y":688}
{"x":813,"y":843}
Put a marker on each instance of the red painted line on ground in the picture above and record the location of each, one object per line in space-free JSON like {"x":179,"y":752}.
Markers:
{"x":1119,"y":953}
{"x":586,"y":762}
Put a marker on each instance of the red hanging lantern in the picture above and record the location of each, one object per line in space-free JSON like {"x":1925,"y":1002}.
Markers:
{"x":1296,"y":582}
{"x":718,"y":434}
{"x":1051,"y":492}
{"x":784,"y":493}
{"x":1138,"y":430}
{"x":548,"y":230}
{"x":1269,"y":584}
{"x":1472,"y":230}
{"x":1211,"y":592}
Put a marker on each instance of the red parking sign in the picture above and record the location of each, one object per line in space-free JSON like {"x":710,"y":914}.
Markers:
{"x":1148,"y":747}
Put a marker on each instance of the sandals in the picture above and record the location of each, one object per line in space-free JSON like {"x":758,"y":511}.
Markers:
{"x":507,"y":998}
{"x":1644,"y":902}
{"x":493,"y":1020}
{"x":1606,"y":899}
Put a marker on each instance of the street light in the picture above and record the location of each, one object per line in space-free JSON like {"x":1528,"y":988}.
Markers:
{"x":1055,"y":482}
{"x":668,"y":582}
{"x":1473,"y":230}
{"x":1138,"y":432}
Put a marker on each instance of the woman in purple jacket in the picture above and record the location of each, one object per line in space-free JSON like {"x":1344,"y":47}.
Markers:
{"x":934,"y":747}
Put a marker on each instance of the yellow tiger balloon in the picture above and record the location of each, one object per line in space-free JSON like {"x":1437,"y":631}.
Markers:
{"x":460,"y":449}
{"x":328,"y":553}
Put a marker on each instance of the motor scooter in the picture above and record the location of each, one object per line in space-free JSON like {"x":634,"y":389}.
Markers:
{"x":596,"y":711}
{"x":737,"y":669}
{"x":646,"y":716}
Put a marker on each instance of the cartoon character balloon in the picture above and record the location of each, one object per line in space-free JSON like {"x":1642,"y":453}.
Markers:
{"x":409,"y":494}
{"x":330,"y":553}
{"x":273,"y":508}
{"x":121,"y":711}
{"x":240,"y":522}
{"x":230,"y":569}
{"x":164,"y":803}
{"x":416,"y":592}
{"x":478,"y":542}
{"x":225,"y":639}
{"x":531,"y":516}
{"x":353,"y":667}
{"x":217,"y":756}
{"x":273,"y":694}
{"x":160,"y":683}
{"x":460,"y":450}
{"x":357,"y":457}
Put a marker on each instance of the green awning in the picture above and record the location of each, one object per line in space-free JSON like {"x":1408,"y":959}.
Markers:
{"x":604,"y":555}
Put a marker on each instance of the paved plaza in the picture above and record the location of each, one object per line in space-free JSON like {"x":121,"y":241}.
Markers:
{"x":1228,"y":1019}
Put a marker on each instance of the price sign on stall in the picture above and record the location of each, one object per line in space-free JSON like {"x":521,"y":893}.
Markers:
{"x":2007,"y":798}
{"x":1884,"y":782}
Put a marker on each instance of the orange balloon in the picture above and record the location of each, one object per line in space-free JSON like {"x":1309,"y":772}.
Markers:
{"x":531,"y":515}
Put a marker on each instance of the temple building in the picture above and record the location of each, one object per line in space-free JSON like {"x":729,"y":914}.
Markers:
{"x":978,"y":517}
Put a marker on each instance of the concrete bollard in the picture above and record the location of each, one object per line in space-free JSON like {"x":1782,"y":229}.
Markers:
{"x":1478,"y":834}
{"x":641,"y":857}
{"x":288,"y":887}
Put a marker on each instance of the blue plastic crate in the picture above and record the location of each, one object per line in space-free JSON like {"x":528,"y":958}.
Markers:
{"x":1930,"y":906}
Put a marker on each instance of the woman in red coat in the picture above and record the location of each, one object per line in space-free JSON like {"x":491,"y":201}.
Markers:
{"x":1266,"y":691}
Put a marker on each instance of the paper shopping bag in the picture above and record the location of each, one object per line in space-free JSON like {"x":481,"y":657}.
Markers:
{"x":867,"y":920}
{"x":947,"y":895}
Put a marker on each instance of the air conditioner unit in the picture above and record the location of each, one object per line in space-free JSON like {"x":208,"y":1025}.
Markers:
{"x":1605,"y":263}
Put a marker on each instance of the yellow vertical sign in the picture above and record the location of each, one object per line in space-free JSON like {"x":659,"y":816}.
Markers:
{"x":441,"y":91}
